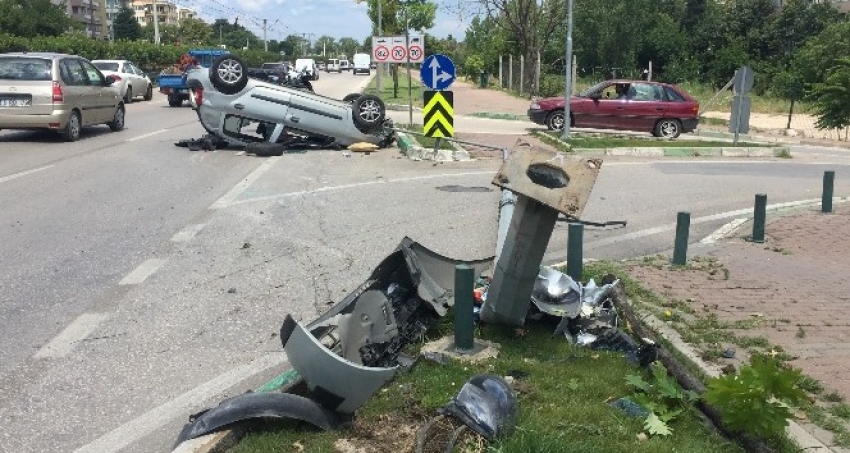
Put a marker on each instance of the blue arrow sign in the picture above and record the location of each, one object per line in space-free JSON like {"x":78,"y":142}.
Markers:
{"x":438,"y":72}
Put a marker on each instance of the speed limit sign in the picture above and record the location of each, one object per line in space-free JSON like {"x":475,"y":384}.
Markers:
{"x":381,"y":53}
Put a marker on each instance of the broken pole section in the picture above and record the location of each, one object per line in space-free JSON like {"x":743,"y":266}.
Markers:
{"x":759,"y":216}
{"x":575,"y":250}
{"x":464,"y":316}
{"x":826,"y":198}
{"x":680,"y":247}
{"x":545,"y":183}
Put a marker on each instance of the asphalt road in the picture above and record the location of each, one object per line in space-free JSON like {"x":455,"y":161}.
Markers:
{"x":142,"y":282}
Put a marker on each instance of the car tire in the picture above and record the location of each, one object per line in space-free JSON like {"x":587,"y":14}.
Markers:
{"x":265,"y":149}
{"x":174,"y":101}
{"x":149,"y":93}
{"x":117,"y":123}
{"x":229,"y":74}
{"x":555,"y":120}
{"x":667,"y":128}
{"x":73,"y":127}
{"x":368,"y":112}
{"x":351,"y":97}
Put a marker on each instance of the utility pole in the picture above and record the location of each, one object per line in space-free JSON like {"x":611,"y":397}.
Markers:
{"x":379,"y":76}
{"x":569,"y":72}
{"x":155,"y":23}
{"x":265,"y":41}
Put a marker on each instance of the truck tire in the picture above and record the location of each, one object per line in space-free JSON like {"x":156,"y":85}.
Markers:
{"x":229,"y":74}
{"x":174,"y":100}
{"x":368,"y":112}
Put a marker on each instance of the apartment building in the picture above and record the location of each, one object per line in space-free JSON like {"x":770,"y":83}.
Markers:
{"x":168,"y":12}
{"x":92,"y":13}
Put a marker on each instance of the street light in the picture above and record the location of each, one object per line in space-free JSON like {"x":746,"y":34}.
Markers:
{"x":569,"y":76}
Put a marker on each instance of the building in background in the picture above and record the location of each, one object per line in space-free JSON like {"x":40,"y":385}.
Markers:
{"x":113,"y":7}
{"x":92,"y":13}
{"x":169,"y":12}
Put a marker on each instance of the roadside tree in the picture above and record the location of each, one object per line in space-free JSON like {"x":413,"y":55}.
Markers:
{"x":125,"y":25}
{"x":31,"y":18}
{"x":832,"y":98}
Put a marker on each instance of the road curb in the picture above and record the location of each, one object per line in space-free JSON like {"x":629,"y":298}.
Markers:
{"x":411,"y":148}
{"x":738,"y":151}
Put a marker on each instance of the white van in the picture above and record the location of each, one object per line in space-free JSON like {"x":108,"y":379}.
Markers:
{"x":362,"y":63}
{"x":310,"y":65}
{"x":333,"y":65}
{"x":343,"y":65}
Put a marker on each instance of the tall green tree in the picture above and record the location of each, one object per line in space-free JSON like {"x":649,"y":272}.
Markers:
{"x":832,"y":97}
{"x":30,"y":18}
{"x":234,"y":36}
{"x":194,"y":31}
{"x":325,"y":44}
{"x":125,"y":25}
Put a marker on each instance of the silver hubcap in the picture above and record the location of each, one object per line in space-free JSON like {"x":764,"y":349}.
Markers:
{"x":558,"y":121}
{"x":74,"y":126}
{"x":370,"y":111}
{"x":668,"y":128}
{"x":229,"y":71}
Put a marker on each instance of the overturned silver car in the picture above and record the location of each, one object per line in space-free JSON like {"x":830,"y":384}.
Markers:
{"x":243,"y":111}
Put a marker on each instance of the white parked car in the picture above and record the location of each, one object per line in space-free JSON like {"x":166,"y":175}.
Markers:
{"x":129,"y":79}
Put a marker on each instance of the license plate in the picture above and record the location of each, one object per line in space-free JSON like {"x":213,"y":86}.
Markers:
{"x":14,"y":102}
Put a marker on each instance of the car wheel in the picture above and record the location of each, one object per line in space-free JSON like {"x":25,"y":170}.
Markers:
{"x":555,"y":120}
{"x":128,"y":95}
{"x":369,"y":111}
{"x":349,"y":98}
{"x":667,"y":128}
{"x":228,"y":74}
{"x":265,"y":149}
{"x":174,"y":101}
{"x":149,"y":93}
{"x":71,"y":133}
{"x":117,"y":122}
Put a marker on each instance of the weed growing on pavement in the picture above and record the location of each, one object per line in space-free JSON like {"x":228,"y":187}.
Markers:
{"x":826,"y":420}
{"x":841,"y":411}
{"x":810,"y":384}
{"x":801,"y":332}
{"x":833,"y":397}
{"x":553,"y":141}
{"x":784,"y":153}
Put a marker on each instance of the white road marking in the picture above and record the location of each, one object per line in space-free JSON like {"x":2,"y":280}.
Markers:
{"x":359,"y":184}
{"x":708,"y":218}
{"x":142,"y":272}
{"x":188,"y":233}
{"x":149,"y":134}
{"x":234,"y":193}
{"x":182,"y":405}
{"x":23,"y":173}
{"x":77,"y":331}
{"x":723,"y":231}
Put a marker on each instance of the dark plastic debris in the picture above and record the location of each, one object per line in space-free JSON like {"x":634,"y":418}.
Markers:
{"x":259,"y":405}
{"x":631,"y":408}
{"x":617,"y":340}
{"x":487,"y":405}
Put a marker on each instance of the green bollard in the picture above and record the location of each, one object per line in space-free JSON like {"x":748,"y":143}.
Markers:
{"x":826,"y":200}
{"x":575,"y":250}
{"x":680,"y":247}
{"x":464,"y":320}
{"x":759,"y":216}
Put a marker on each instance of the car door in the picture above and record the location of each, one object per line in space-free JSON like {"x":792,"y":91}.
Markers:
{"x":143,"y":83}
{"x":596,"y":109}
{"x":644,"y":107}
{"x":77,"y":93}
{"x":103,"y":96}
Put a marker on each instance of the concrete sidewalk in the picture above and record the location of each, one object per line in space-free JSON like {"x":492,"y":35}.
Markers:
{"x":791,"y":290}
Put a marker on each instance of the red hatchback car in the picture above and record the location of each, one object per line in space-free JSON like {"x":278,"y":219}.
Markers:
{"x":636,"y":105}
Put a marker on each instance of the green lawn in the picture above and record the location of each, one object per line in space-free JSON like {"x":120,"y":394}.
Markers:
{"x":609,"y":142}
{"x":387,"y":94}
{"x":563,"y":404}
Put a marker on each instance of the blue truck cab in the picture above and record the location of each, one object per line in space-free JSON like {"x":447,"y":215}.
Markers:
{"x":174,"y":85}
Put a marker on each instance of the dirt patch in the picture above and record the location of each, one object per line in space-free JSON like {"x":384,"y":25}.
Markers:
{"x":397,"y":433}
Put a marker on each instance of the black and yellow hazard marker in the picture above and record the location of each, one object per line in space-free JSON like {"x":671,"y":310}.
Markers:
{"x":439,"y":114}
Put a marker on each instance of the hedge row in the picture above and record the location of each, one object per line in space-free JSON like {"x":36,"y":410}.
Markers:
{"x":146,"y":55}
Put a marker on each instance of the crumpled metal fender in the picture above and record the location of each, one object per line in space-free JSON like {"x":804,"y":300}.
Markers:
{"x":259,"y":405}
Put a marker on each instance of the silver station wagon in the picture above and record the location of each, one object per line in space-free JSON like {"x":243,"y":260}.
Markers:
{"x":245,"y":112}
{"x":57,"y":92}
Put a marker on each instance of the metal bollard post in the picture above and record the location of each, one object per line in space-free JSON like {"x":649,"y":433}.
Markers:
{"x":464,"y":320}
{"x":575,"y":250}
{"x":826,"y":200}
{"x":680,"y":247}
{"x":759,"y":217}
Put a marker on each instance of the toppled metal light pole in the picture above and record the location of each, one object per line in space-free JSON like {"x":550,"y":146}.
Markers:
{"x":545,"y":184}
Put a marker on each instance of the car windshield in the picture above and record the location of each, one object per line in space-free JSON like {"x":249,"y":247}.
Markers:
{"x":106,"y":66}
{"x":12,"y":68}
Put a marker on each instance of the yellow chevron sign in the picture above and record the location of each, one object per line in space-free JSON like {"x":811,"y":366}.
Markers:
{"x":439,"y":114}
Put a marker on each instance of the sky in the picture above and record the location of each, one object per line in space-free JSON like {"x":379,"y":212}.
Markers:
{"x":336,"y":18}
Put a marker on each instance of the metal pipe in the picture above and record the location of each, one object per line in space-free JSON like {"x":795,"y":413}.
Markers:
{"x":759,"y":216}
{"x":464,"y":316}
{"x":506,"y":213}
{"x":826,"y":199}
{"x":568,"y":88}
{"x":575,"y":250}
{"x":680,"y":247}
